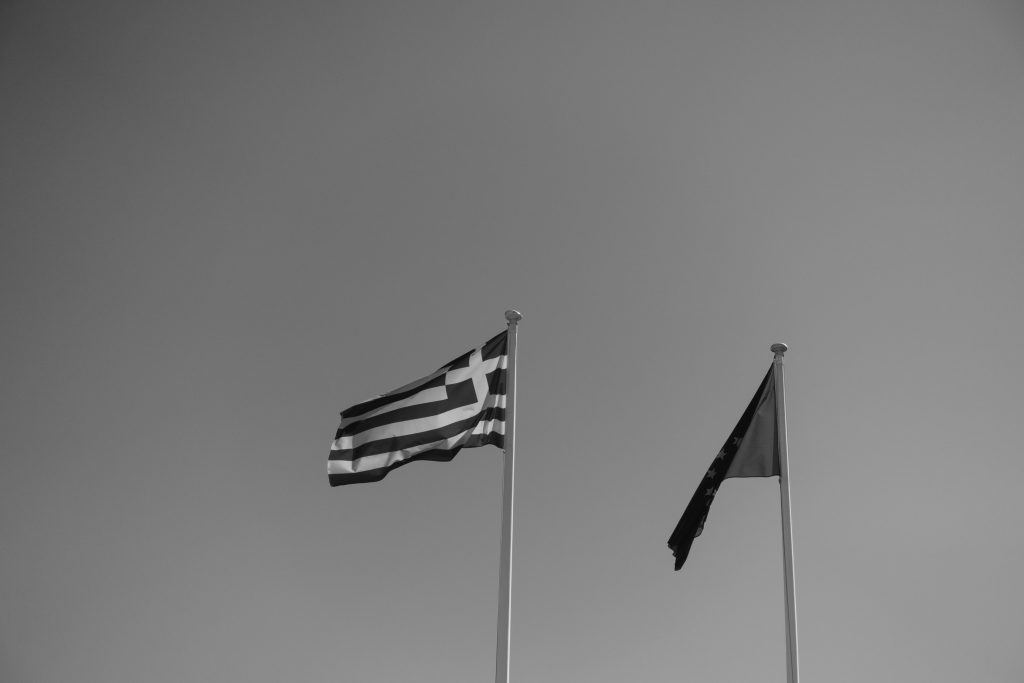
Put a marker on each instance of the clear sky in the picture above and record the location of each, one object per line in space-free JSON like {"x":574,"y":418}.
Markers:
{"x":224,"y":222}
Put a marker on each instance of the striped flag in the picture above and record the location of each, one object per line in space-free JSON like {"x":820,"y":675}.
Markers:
{"x":461,"y":405}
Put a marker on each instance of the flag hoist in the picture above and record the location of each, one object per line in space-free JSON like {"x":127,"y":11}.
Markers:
{"x":501,"y":657}
{"x":757,"y":447}
{"x":792,"y":662}
{"x":469,"y":402}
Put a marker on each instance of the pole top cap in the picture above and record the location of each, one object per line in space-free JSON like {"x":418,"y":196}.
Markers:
{"x":513,"y":316}
{"x":779,"y":348}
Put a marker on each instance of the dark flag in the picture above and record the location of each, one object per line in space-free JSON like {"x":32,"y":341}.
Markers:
{"x":752,"y":450}
{"x":461,"y":405}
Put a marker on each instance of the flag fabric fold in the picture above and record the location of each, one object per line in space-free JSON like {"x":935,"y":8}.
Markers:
{"x":752,"y":450}
{"x":461,"y":405}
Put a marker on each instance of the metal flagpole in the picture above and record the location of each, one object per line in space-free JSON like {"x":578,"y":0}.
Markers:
{"x":792,"y":668}
{"x":501,"y":658}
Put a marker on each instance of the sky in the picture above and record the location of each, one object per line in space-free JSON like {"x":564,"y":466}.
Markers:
{"x":224,"y":222}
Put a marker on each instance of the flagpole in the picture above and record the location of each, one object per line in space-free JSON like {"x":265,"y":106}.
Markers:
{"x":792,"y":667}
{"x":501,"y":658}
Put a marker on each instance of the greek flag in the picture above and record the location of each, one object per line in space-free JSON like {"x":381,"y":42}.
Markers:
{"x":461,"y":405}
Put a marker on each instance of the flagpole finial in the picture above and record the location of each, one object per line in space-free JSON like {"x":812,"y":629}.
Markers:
{"x":513,"y":316}
{"x":779,"y":349}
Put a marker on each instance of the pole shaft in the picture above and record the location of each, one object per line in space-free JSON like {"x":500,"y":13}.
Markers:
{"x":792,"y":665}
{"x":501,"y":657}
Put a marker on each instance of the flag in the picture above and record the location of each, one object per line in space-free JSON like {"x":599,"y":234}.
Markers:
{"x":752,"y":450}
{"x":461,"y":405}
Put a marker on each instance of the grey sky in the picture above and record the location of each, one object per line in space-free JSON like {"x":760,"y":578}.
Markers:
{"x":224,"y":222}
